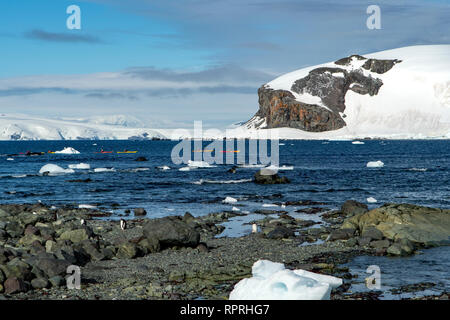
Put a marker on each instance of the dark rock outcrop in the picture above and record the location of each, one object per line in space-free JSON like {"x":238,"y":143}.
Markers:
{"x":280,"y":108}
{"x":171,"y":232}
{"x":273,"y":178}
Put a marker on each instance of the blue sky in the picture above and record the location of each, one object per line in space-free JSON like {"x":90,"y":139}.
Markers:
{"x":171,"y":62}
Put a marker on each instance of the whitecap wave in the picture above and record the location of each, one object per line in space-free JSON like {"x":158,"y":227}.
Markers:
{"x":203,"y":181}
{"x":104,"y":170}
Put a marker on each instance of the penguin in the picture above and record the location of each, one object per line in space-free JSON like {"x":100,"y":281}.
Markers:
{"x":254,"y":228}
{"x":83,"y":222}
{"x":123,"y":224}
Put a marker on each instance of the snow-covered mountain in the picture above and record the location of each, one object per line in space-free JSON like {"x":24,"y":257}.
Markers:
{"x":23,"y":127}
{"x":399,"y":93}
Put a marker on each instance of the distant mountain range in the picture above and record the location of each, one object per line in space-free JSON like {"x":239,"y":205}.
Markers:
{"x":24,"y":127}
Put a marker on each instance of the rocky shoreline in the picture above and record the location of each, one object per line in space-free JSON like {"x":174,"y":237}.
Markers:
{"x":182,"y":257}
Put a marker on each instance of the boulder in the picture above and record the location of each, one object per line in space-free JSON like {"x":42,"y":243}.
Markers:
{"x":57,"y":281}
{"x":341,"y":234}
{"x":380,"y":244}
{"x":77,"y":235}
{"x":280,"y":233}
{"x":352,"y":207}
{"x":39,"y":283}
{"x":273,"y":178}
{"x":17,"y":268}
{"x":418,"y":224}
{"x":14,"y":285}
{"x":52,"y":267}
{"x":138,"y":212}
{"x":127,"y":250}
{"x":171,"y":231}
{"x":372,"y":233}
{"x":149,"y":245}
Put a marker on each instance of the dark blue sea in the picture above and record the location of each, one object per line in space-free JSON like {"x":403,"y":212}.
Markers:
{"x":329,"y":172}
{"x":325,"y":171}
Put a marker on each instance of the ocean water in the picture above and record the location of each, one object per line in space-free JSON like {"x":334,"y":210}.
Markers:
{"x":324,"y":171}
{"x":329,"y":172}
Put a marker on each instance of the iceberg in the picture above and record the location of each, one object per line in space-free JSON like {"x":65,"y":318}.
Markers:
{"x":229,"y":200}
{"x":272,"y":281}
{"x":375,"y":164}
{"x":68,"y":150}
{"x":371,"y":200}
{"x":53,"y":169}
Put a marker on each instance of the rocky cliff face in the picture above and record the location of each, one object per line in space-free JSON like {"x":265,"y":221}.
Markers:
{"x":327,"y":86}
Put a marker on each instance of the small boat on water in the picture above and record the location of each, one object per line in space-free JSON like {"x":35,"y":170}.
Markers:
{"x":126,"y":151}
{"x":103,"y":151}
{"x":30,"y":153}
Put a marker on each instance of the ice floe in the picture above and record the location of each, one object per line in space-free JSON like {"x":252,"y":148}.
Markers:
{"x":53,"y":169}
{"x":80,"y":166}
{"x":272,"y":281}
{"x":371,"y":200}
{"x":229,"y":200}
{"x":199,"y":164}
{"x":375,"y":164}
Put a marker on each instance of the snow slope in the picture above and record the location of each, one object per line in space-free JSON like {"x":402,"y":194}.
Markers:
{"x":22,"y":127}
{"x":414,"y":101}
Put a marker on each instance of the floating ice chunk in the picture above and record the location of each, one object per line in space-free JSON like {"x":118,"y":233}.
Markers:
{"x":418,"y":169}
{"x":375,"y":164}
{"x":164,"y":167}
{"x":271,"y":281}
{"x":68,"y":150}
{"x":199,"y":164}
{"x":235,"y":209}
{"x":87,"y":206}
{"x":269,"y":205}
{"x":140,"y":169}
{"x":357,"y":142}
{"x":371,"y":200}
{"x":104,"y":169}
{"x":229,"y":200}
{"x":53,"y":169}
{"x":10,"y":159}
{"x":81,"y":166}
{"x":186,"y":168}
